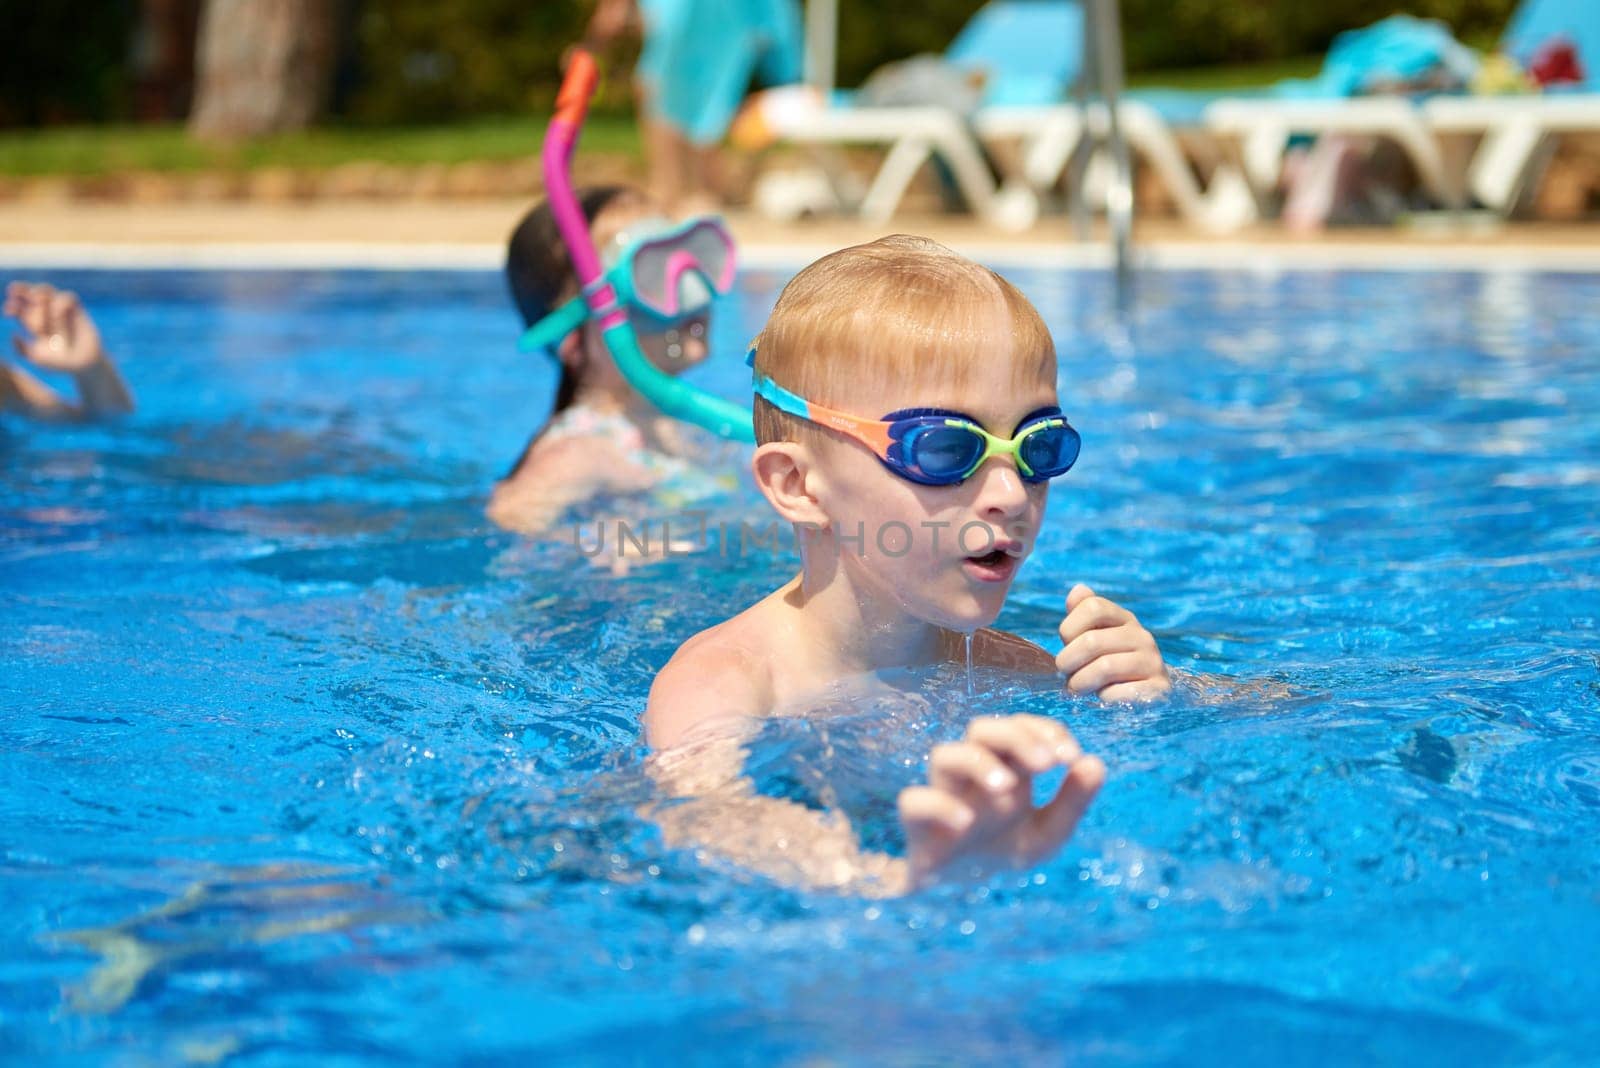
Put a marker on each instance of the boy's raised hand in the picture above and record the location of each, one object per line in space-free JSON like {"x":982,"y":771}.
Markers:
{"x":977,"y":814}
{"x":63,"y":338}
{"x":1107,"y":651}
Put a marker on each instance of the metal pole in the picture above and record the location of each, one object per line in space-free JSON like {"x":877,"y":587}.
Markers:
{"x":1083,"y":88}
{"x":822,"y":43}
{"x":1106,"y":31}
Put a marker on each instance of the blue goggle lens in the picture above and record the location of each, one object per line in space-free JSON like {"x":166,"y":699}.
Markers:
{"x":943,"y":453}
{"x":1050,"y":451}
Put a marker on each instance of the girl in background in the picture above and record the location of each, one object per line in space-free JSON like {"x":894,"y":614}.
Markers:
{"x":603,"y":437}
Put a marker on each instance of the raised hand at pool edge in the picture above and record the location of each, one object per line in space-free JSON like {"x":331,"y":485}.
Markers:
{"x":60,"y":336}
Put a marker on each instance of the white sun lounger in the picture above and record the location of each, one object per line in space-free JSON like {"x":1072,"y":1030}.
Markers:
{"x":914,"y":135}
{"x":1259,"y":131}
{"x":1049,"y":138}
{"x":1028,"y":52}
{"x":1501,"y":142}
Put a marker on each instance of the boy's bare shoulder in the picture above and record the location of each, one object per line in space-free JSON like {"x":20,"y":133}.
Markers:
{"x":723,"y":672}
{"x":1001,"y":649}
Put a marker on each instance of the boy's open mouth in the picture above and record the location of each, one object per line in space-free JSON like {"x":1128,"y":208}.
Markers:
{"x":996,"y":565}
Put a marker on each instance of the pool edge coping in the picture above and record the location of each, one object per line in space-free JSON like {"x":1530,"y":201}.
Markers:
{"x":483,"y":256}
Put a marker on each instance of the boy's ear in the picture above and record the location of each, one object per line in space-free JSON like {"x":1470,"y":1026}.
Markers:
{"x":781,"y":469}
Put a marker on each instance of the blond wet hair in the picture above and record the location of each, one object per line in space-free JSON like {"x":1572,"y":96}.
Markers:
{"x":894,"y":315}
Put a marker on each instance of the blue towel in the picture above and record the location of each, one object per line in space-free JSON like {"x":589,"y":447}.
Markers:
{"x":699,"y":56}
{"x":1398,"y":50}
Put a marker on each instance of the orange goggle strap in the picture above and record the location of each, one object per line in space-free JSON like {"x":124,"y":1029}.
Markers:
{"x":873,"y":433}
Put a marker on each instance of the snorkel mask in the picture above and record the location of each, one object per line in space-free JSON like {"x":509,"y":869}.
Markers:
{"x":669,"y":273}
{"x":654,"y":274}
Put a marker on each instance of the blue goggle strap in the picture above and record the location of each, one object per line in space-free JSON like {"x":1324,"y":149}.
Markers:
{"x":782,"y":399}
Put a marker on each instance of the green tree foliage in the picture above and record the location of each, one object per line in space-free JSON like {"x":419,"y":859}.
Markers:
{"x":874,"y":32}
{"x":65,"y":62}
{"x":420,"y":60}
{"x":416,"y":61}
{"x":425,"y":61}
{"x":1162,"y":34}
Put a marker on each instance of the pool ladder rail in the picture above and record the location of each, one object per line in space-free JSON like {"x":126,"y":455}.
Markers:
{"x":1103,"y":65}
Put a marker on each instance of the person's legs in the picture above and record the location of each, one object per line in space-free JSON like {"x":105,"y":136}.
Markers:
{"x":666,"y":153}
{"x":706,"y":191}
{"x":1321,"y":187}
{"x":684,"y":177}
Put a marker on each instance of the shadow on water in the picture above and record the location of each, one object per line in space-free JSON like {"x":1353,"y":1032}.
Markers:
{"x":223,"y":920}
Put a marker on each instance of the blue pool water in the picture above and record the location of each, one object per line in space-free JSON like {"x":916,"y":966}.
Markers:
{"x":305,"y":762}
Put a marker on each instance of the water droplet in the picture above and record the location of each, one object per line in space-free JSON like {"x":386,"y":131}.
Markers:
{"x":969,"y":664}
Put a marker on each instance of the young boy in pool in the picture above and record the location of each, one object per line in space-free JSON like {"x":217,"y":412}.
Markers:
{"x":911,"y":527}
{"x":60,"y":337}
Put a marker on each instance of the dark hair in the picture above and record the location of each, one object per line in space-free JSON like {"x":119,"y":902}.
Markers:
{"x":539,"y":272}
{"x":539,"y":268}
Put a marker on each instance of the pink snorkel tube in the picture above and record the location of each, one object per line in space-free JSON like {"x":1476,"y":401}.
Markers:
{"x":672,"y":397}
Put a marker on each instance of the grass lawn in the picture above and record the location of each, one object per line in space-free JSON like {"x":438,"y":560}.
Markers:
{"x":97,"y":150}
{"x":1242,"y":76}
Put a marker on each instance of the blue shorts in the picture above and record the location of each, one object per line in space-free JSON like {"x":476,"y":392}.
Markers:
{"x":699,"y":57}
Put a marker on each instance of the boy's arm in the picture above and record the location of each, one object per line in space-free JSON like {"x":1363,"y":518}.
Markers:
{"x":1107,"y":651}
{"x":714,"y":809}
{"x":703,"y":706}
{"x":975,"y":814}
{"x":708,"y":687}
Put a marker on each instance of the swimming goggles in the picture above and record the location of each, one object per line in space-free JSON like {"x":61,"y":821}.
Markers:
{"x":937,"y":447}
{"x":670,"y":275}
